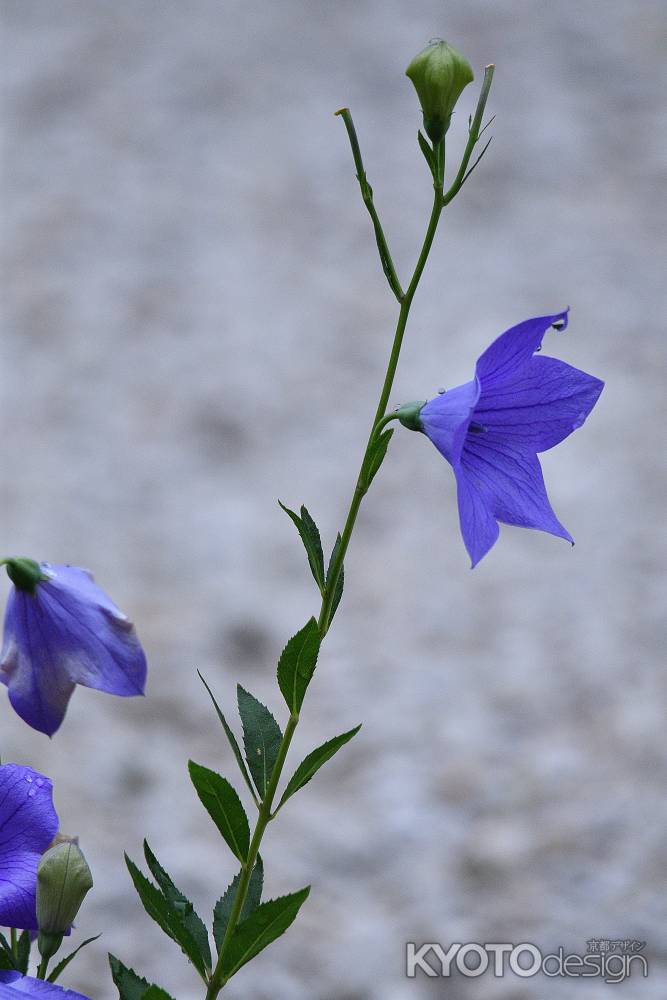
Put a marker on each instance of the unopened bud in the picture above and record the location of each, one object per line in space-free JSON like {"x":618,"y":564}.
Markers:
{"x":63,"y":879}
{"x":439,"y":74}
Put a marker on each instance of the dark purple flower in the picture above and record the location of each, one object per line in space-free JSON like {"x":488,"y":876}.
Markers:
{"x":28,"y":824}
{"x":491,"y":429}
{"x":62,"y":630}
{"x":13,"y":985}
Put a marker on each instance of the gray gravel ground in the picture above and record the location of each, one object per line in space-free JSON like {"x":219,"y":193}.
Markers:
{"x":195,"y":324}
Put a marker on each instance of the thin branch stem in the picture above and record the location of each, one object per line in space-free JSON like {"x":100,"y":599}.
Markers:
{"x":473,"y":136}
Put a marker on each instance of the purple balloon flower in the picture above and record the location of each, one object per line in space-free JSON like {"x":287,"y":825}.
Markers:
{"x":13,"y":985}
{"x":61,"y":629}
{"x":28,"y":824}
{"x":491,"y":429}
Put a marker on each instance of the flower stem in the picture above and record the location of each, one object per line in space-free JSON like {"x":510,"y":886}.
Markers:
{"x":218,"y":979}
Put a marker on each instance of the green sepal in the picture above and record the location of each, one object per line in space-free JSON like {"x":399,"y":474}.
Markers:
{"x":130,"y":986}
{"x":261,"y":738}
{"x":264,"y":925}
{"x":166,"y":917}
{"x":427,"y":150}
{"x":223,"y":805}
{"x":311,"y":764}
{"x":25,"y":574}
{"x":62,"y":965}
{"x":310,"y":536}
{"x":376,"y":456}
{"x":223,"y":907}
{"x":297,"y":663}
{"x":175,"y":898}
{"x":338,"y":592}
{"x":229,"y":733}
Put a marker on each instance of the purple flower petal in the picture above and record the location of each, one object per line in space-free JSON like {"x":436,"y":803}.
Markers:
{"x":13,"y":985}
{"x":28,"y":824}
{"x":540,"y":406}
{"x":445,"y":418}
{"x":499,"y":482}
{"x":68,"y":632}
{"x":514,"y":348}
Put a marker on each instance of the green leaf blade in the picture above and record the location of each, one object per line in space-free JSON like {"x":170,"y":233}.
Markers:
{"x":224,"y":807}
{"x":377,"y":456}
{"x":311,"y":764}
{"x":297,"y":663}
{"x":310,"y":536}
{"x":157,"y":907}
{"x":130,"y":986}
{"x":175,"y":898}
{"x":233,"y":742}
{"x":338,"y":592}
{"x":223,"y":907}
{"x":264,"y":925}
{"x":62,"y":965}
{"x":261,"y":738}
{"x":156,"y":993}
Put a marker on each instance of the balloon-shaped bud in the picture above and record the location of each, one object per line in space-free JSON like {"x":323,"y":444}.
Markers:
{"x":63,"y":879}
{"x":439,"y":74}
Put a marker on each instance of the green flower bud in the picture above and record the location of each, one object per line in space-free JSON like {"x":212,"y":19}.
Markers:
{"x":25,"y":574}
{"x":63,"y":879}
{"x":439,"y":74}
{"x":408,"y":414}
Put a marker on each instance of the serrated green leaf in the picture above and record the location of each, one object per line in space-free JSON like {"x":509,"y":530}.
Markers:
{"x":62,"y":965}
{"x":232,"y":741}
{"x":223,"y":907}
{"x":155,"y":993}
{"x":297,"y":664}
{"x":261,"y":738}
{"x":181,"y":904}
{"x":263,"y":926}
{"x":314,"y":761}
{"x":338,"y":592}
{"x":427,"y":151}
{"x":310,"y":536}
{"x":130,"y":986}
{"x":377,"y":456}
{"x":165,"y":916}
{"x":223,"y":806}
{"x":7,"y":960}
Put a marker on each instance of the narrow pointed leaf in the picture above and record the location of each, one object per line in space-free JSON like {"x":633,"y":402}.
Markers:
{"x":223,"y":907}
{"x":314,"y":761}
{"x":62,"y":965}
{"x":310,"y":536}
{"x":297,"y":664}
{"x":377,"y":456}
{"x":232,"y":740}
{"x":155,"y":993}
{"x":261,"y":738}
{"x":165,"y":916}
{"x":223,"y":806}
{"x":338,"y":593}
{"x":427,"y":151}
{"x":268,"y":922}
{"x":23,"y":952}
{"x":181,"y":904}
{"x":130,"y":986}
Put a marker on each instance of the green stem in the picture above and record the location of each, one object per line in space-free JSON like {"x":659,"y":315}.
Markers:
{"x":218,"y":978}
{"x":473,"y":136}
{"x":41,"y":971}
{"x":13,"y":936}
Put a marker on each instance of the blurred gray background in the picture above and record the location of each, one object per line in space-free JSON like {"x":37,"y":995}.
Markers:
{"x":195,"y":323}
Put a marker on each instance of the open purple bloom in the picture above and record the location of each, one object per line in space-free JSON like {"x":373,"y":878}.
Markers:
{"x":491,"y":429}
{"x":28,"y":824}
{"x":13,"y":986}
{"x":61,"y":631}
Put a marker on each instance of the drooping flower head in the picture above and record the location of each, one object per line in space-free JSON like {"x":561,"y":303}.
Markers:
{"x":61,"y":629}
{"x":13,"y":986}
{"x":28,"y":824}
{"x":490,"y":430}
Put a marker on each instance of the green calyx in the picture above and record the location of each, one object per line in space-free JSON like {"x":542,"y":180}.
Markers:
{"x":25,"y":574}
{"x":408,"y":415}
{"x":439,"y":74}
